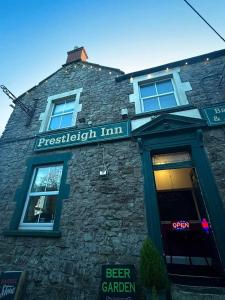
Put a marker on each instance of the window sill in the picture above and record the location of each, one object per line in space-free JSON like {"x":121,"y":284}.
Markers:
{"x":33,"y":233}
{"x":163,"y":111}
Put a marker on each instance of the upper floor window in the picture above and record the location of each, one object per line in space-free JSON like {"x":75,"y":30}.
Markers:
{"x":158,"y":95}
{"x":61,"y":111}
{"x":62,"y":115}
{"x":159,"y":90}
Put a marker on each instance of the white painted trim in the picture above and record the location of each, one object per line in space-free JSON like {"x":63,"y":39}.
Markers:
{"x":45,"y":116}
{"x":191,"y":113}
{"x":179,"y":87}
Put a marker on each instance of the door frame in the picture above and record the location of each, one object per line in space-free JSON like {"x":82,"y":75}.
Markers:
{"x":177,"y":140}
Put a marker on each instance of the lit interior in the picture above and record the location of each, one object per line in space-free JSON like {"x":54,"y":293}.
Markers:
{"x":173,"y":179}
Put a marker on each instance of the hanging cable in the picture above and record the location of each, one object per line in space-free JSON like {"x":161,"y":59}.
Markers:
{"x":204,"y":19}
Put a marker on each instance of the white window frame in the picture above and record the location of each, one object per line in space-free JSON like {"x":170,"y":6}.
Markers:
{"x":62,"y":114}
{"x":37,"y":226}
{"x":54,"y":99}
{"x":158,"y":95}
{"x":180,"y":88}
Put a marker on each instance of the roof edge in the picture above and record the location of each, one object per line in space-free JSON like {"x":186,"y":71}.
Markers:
{"x":190,"y":60}
{"x":28,"y":91}
{"x":93,"y":64}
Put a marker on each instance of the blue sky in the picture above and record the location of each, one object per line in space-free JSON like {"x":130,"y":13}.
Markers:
{"x":127,"y":34}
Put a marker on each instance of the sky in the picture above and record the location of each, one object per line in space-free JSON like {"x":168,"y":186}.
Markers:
{"x":131,"y":35}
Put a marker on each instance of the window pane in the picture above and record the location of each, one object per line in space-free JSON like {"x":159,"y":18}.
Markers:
{"x":69,"y":107}
{"x":41,"y":209}
{"x":164,"y":87}
{"x":66,"y":120}
{"x":54,"y":123}
{"x":54,"y":178}
{"x":167,"y":101}
{"x":160,"y":159}
{"x":40,"y":181}
{"x":148,"y":90}
{"x":58,"y":109}
{"x":182,"y":204}
{"x":151,"y":104}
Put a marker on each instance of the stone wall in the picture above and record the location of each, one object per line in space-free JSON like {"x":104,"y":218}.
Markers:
{"x":103,"y":220}
{"x":208,"y":87}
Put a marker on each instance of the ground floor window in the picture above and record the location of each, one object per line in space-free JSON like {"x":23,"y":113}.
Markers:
{"x":40,"y":206}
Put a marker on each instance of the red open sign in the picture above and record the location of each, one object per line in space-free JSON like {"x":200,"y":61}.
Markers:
{"x":180,"y":225}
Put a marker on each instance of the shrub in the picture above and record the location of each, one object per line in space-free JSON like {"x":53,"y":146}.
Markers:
{"x":152,"y":268}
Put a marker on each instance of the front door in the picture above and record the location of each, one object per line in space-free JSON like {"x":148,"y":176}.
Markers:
{"x":187,"y":235}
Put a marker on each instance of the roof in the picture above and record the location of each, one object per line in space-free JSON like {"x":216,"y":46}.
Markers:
{"x":65,"y":65}
{"x":191,"y":60}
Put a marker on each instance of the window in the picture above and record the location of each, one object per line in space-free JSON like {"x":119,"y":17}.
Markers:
{"x":168,"y":158}
{"x":62,"y":115}
{"x":40,"y":206}
{"x":159,"y":90}
{"x":61,"y":111}
{"x":158,"y":95}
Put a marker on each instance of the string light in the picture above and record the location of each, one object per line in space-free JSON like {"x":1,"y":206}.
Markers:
{"x":186,"y":63}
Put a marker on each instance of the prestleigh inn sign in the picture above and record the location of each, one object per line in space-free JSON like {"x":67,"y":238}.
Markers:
{"x":70,"y":138}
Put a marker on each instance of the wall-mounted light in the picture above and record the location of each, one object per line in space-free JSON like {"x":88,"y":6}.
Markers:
{"x":124,"y":113}
{"x":103,"y":172}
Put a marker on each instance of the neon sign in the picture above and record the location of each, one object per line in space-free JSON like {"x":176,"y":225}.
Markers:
{"x":205,"y":225}
{"x":180,"y":225}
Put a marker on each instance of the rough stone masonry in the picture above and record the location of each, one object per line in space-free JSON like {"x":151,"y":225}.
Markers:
{"x":103,"y":219}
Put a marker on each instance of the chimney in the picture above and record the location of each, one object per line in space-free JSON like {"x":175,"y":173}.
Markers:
{"x":78,"y":54}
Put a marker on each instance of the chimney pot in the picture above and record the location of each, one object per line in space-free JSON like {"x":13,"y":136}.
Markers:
{"x":77,"y":54}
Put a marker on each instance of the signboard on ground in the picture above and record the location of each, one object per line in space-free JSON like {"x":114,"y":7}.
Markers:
{"x":12,"y":285}
{"x":118,"y":282}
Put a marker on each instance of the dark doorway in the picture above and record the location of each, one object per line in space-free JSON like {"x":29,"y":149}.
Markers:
{"x":188,"y":239}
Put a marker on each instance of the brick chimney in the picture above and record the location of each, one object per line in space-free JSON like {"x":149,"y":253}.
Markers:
{"x":78,"y":54}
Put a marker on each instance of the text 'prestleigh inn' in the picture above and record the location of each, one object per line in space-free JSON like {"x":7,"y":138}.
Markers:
{"x":99,"y":161}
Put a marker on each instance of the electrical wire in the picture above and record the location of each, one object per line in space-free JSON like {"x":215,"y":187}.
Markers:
{"x":204,"y":20}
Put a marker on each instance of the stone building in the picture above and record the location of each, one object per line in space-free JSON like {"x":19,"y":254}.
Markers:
{"x":103,"y":159}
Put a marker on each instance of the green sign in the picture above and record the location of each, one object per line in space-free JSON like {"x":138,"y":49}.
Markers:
{"x":118,"y":282}
{"x":74,"y":137}
{"x":215,"y":115}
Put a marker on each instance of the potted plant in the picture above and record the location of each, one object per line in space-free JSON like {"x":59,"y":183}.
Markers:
{"x":153,"y":272}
